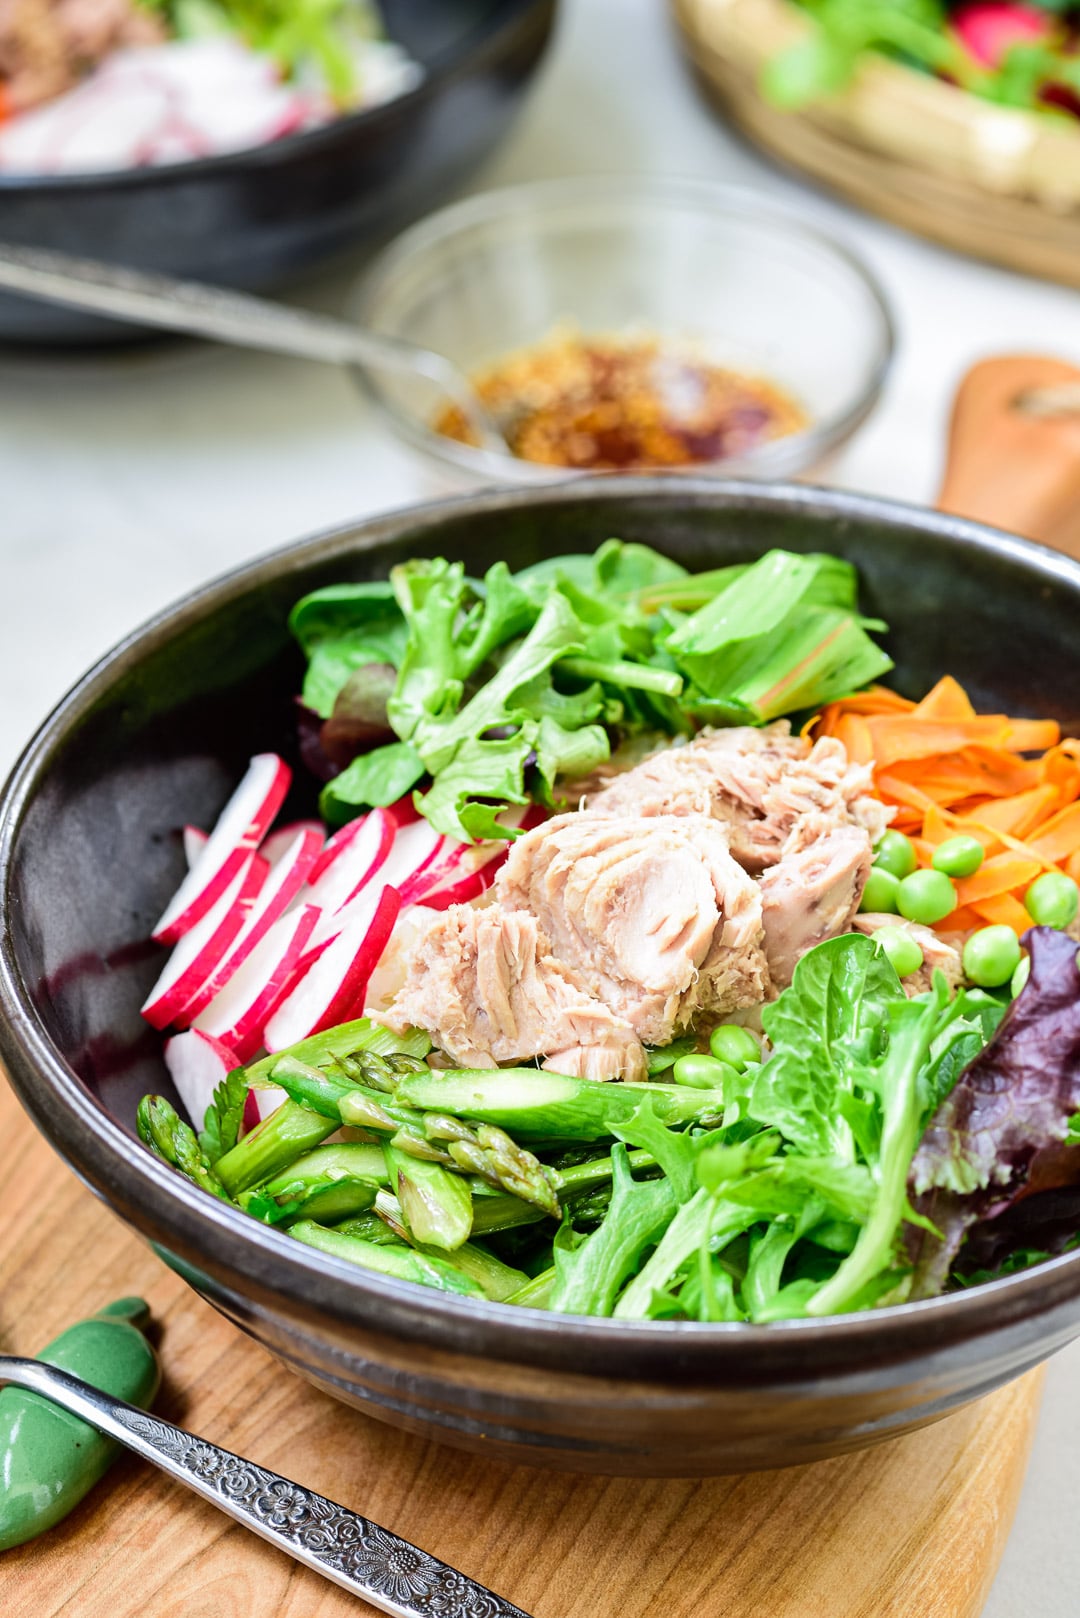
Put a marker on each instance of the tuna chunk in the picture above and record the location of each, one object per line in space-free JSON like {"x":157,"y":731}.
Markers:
{"x":812,"y":895}
{"x":939,"y":954}
{"x":651,"y":914}
{"x":484,"y":984}
{"x":772,"y":792}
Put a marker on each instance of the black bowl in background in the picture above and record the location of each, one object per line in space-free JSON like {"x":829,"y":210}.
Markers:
{"x":259,"y":218}
{"x":156,"y":735}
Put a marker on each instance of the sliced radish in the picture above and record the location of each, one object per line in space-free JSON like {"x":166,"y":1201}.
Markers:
{"x":236,"y":1015}
{"x":240,"y":828}
{"x":333,"y":989}
{"x":201,"y":950}
{"x":355,"y":861}
{"x":279,"y":842}
{"x":413,"y":849}
{"x":198,"y":1063}
{"x":283,"y":882}
{"x":194,"y":843}
{"x":462,"y":871}
{"x":259,"y":1104}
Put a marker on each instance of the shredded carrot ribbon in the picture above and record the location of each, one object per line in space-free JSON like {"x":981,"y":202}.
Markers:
{"x":1012,"y":783}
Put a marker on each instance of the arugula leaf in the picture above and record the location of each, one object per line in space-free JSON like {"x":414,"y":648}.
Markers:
{"x":492,"y":770}
{"x":896,"y":1083}
{"x":342,"y":628}
{"x":224,"y":1116}
{"x":371,"y":781}
{"x":675,"y":1151}
{"x":826,"y":1030}
{"x":588,"y":1276}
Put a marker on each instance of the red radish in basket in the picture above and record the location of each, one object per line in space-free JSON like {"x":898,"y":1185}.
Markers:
{"x":989,"y":31}
{"x":332,"y":989}
{"x":238,"y":1012}
{"x":283,"y":882}
{"x":202,"y":949}
{"x":240,"y":829}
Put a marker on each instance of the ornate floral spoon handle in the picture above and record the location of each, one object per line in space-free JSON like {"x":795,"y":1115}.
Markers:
{"x":388,"y":1572}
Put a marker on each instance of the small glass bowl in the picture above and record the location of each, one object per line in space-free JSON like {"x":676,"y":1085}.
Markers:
{"x":752,"y":287}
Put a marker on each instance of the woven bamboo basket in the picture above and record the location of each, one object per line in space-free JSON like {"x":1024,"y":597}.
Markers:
{"x":995,"y":182}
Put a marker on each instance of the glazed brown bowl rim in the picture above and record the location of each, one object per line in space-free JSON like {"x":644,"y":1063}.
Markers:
{"x":487,"y":34}
{"x":264,"y":1264}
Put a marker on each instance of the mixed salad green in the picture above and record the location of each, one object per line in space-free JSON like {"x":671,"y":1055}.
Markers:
{"x":1015,"y":54}
{"x":490,"y":691}
{"x":869,"y":1145}
{"x":842,"y":1171}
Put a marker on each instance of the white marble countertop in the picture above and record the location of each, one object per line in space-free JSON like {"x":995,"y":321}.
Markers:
{"x":131,"y":479}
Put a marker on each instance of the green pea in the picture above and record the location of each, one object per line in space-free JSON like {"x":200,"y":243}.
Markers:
{"x":702,"y":1072}
{"x":880,"y":892}
{"x":991,"y":956}
{"x":1052,"y":900}
{"x":734,"y":1045}
{"x":48,"y":1459}
{"x":926,"y":897}
{"x":1020,"y":976}
{"x":903,"y":950}
{"x":959,"y":856}
{"x":896,"y":854}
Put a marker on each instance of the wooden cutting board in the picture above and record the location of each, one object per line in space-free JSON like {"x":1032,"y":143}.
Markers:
{"x":912,"y":1529}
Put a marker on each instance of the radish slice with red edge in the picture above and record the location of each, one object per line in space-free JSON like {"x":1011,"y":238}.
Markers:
{"x":283,"y":883}
{"x":194,"y":843}
{"x":236,"y":1015}
{"x":413,"y":848}
{"x":240,"y":829}
{"x":197,"y":1064}
{"x":278,"y":842}
{"x":201,"y":950}
{"x":333,"y":989}
{"x":258,"y":1105}
{"x":354,"y":863}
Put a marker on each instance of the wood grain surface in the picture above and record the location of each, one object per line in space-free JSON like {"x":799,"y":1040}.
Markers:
{"x":912,"y":1529}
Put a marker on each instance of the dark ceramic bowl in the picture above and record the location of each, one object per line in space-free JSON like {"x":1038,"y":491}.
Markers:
{"x":260,"y":218}
{"x":157,"y":734}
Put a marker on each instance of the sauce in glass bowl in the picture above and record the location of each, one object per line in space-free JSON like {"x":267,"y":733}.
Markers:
{"x":625,"y":404}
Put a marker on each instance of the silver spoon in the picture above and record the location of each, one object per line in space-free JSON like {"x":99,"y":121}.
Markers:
{"x":199,"y":310}
{"x":389,"y":1572}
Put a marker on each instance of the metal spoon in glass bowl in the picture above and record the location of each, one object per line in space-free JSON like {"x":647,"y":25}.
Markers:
{"x":391,"y":1574}
{"x":198,"y":310}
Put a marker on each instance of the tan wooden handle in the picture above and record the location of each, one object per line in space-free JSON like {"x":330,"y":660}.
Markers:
{"x":1014,"y":449}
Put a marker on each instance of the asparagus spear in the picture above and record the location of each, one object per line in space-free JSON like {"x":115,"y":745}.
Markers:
{"x":497,"y":1280}
{"x":370,"y":1227}
{"x":535,"y":1294}
{"x":469,"y":1148}
{"x":162,"y":1129}
{"x":404,"y":1263}
{"x":340,"y":1043}
{"x":272,"y":1146}
{"x":343,"y":1160}
{"x":325,"y":1201}
{"x":437,"y":1204}
{"x":550,"y":1106}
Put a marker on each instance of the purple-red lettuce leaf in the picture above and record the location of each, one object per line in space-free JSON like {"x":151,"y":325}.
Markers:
{"x":999,"y":1135}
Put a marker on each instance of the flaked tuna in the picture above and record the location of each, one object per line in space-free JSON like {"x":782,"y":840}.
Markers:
{"x":652,"y":914}
{"x":812,"y":894}
{"x":773,"y":793}
{"x":486,"y":986}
